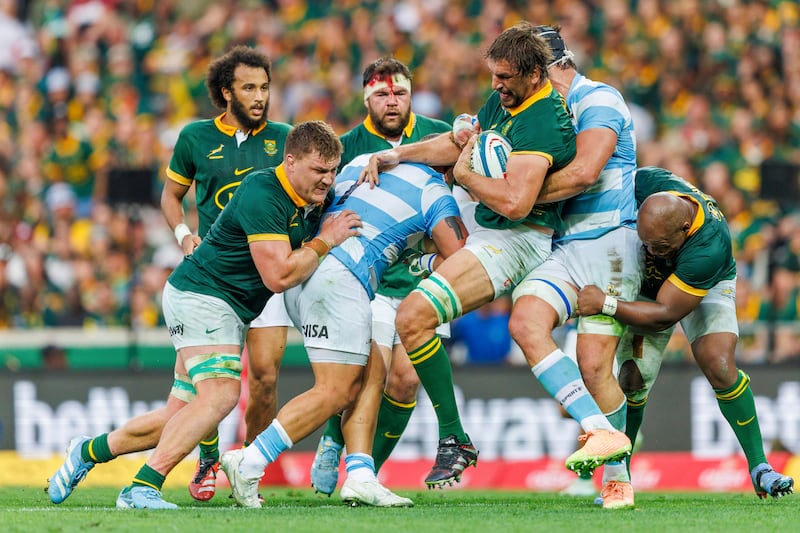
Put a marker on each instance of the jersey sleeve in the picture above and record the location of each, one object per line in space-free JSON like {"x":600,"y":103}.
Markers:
{"x":438,"y":203}
{"x":701,"y":266}
{"x":601,"y":108}
{"x":261,"y":213}
{"x":182,"y":167}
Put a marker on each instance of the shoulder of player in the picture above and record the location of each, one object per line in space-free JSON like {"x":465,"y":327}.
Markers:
{"x":280,"y":128}
{"x":263,"y":178}
{"x":199,"y":127}
{"x":426,"y":125}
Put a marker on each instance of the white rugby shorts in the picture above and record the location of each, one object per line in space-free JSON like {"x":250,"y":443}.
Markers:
{"x":195,"y":319}
{"x":273,"y":315}
{"x":333,"y":313}
{"x":384,"y":311}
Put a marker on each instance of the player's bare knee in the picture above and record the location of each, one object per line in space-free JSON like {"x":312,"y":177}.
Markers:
{"x":630,"y":378}
{"x":525,"y":329}
{"x":403,"y":387}
{"x":405,"y":319}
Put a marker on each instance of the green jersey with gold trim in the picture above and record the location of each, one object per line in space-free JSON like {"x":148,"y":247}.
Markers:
{"x":706,"y":258}
{"x":264,"y":207}
{"x":396,"y":282}
{"x":209,"y":153}
{"x":365,"y":139}
{"x":540,"y":125}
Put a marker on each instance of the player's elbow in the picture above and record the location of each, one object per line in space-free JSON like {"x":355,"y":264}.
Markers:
{"x":277,"y":283}
{"x":515,"y":209}
{"x":585,"y":178}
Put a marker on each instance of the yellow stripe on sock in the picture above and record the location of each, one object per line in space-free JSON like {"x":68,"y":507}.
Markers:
{"x":399,"y":404}
{"x":425,"y":352}
{"x":634,"y":403}
{"x":91,"y":452}
{"x":137,"y":480}
{"x":215,"y":440}
{"x":738,"y":391}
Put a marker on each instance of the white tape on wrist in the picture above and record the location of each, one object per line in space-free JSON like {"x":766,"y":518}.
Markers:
{"x":609,"y":306}
{"x":181,"y":231}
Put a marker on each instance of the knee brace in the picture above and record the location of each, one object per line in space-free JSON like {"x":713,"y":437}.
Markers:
{"x":441,"y":296}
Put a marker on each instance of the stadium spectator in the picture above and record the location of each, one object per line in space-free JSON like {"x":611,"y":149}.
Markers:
{"x":740,"y":54}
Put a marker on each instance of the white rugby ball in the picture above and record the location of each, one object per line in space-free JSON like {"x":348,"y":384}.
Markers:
{"x":490,"y":154}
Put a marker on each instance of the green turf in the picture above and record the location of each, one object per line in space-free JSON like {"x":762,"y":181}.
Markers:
{"x":441,"y":511}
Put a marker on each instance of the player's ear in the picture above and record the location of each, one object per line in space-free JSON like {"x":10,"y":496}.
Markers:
{"x":226,"y":94}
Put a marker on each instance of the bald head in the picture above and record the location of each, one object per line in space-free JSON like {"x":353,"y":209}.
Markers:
{"x":664,"y":223}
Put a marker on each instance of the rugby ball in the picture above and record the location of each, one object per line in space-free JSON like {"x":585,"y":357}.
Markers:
{"x":490,"y":154}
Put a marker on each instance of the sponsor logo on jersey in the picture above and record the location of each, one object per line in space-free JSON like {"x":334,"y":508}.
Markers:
{"x":176,"y":330}
{"x":224,"y":194}
{"x":271,"y":146}
{"x":216,"y":153}
{"x":315,"y":331}
{"x":238,"y":172}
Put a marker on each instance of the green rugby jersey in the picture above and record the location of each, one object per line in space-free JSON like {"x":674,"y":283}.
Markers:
{"x":264,"y":207}
{"x":207,"y":152}
{"x":365,"y":139}
{"x":396,"y":282}
{"x":540,"y":125}
{"x":706,"y":258}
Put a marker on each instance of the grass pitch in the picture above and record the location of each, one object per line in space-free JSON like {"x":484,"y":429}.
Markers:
{"x":292,"y":510}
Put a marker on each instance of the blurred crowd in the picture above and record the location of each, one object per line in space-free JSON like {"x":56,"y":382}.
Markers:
{"x":94,"y":92}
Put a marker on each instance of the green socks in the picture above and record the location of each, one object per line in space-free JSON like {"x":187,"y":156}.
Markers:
{"x":393,"y":418}
{"x":739,"y":409}
{"x":96,"y":450}
{"x":433,"y":367}
{"x":333,"y":429}
{"x":147,"y":477}
{"x":210,"y":447}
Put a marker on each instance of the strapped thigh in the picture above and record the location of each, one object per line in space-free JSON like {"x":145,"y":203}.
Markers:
{"x":182,"y":388}
{"x":440,"y":294}
{"x":214,"y":365}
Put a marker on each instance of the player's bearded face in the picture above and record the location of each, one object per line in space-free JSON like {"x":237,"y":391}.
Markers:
{"x":250,"y":115}
{"x":510,"y":85}
{"x":389,"y":110}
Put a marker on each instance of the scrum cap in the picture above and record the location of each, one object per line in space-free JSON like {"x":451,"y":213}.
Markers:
{"x":557,"y":45}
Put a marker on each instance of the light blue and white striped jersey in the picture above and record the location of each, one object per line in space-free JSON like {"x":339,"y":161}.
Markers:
{"x":609,"y":203}
{"x":410,"y":200}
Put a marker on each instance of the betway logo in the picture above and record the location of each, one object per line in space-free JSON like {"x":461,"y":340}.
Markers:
{"x":42,"y":429}
{"x":507,"y":428}
{"x":712,"y":436}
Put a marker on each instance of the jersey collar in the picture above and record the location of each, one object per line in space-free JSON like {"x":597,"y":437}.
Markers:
{"x":699,"y":218}
{"x":230,"y":131}
{"x":280,"y":172}
{"x":412,"y":119}
{"x":541,"y":94}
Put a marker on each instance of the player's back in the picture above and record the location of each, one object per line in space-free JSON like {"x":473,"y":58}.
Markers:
{"x":410,"y":200}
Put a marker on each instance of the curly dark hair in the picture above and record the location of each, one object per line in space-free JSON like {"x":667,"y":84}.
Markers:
{"x":220,"y":71}
{"x":523,"y":48}
{"x":385,"y":66}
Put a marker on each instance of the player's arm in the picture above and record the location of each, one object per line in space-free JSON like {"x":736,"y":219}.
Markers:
{"x":512,"y":197}
{"x":282,"y":268}
{"x":449,"y":236}
{"x":594,"y":147}
{"x":172,"y":206}
{"x":438,"y":151}
{"x":671,"y":305}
